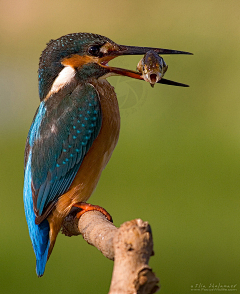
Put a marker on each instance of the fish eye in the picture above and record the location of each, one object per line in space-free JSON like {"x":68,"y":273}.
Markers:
{"x":94,"y":50}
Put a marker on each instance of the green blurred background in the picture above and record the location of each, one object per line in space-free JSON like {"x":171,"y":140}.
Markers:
{"x":177,"y":163}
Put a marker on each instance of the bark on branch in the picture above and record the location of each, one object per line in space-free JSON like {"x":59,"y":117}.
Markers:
{"x":130,"y":246}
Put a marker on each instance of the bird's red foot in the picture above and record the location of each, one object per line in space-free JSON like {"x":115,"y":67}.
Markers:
{"x":87,"y":207}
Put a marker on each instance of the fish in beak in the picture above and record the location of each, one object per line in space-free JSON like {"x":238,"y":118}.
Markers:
{"x":153,"y":67}
{"x":157,"y":72}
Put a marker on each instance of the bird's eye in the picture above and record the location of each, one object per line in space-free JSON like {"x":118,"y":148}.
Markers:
{"x":94,"y":50}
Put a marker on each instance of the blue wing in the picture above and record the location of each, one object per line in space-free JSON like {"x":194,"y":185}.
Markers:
{"x":66,"y":132}
{"x":61,"y":134}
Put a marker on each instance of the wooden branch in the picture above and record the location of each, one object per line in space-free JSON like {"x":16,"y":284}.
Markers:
{"x":130,"y":246}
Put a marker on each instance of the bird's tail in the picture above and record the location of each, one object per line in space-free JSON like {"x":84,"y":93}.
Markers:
{"x":42,"y":247}
{"x":39,"y":234}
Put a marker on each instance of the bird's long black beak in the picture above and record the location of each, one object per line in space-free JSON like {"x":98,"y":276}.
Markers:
{"x":134,"y":50}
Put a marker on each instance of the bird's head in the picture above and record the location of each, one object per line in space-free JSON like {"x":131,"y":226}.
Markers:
{"x":86,"y":56}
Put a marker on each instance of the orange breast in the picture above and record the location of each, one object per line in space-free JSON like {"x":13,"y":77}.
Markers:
{"x":100,"y":152}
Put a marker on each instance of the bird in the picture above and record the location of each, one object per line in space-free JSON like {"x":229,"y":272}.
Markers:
{"x":73,"y":133}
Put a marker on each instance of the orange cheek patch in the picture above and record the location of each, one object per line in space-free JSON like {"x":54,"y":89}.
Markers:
{"x":77,"y":61}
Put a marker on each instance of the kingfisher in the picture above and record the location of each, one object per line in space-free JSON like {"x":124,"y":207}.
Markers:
{"x":74,"y":132}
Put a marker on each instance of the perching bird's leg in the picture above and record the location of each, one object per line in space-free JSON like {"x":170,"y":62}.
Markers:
{"x":87,"y":207}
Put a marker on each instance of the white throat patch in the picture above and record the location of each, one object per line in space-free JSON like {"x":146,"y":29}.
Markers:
{"x":64,"y":77}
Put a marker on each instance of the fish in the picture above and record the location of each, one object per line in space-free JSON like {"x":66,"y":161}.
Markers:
{"x":153,"y":67}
